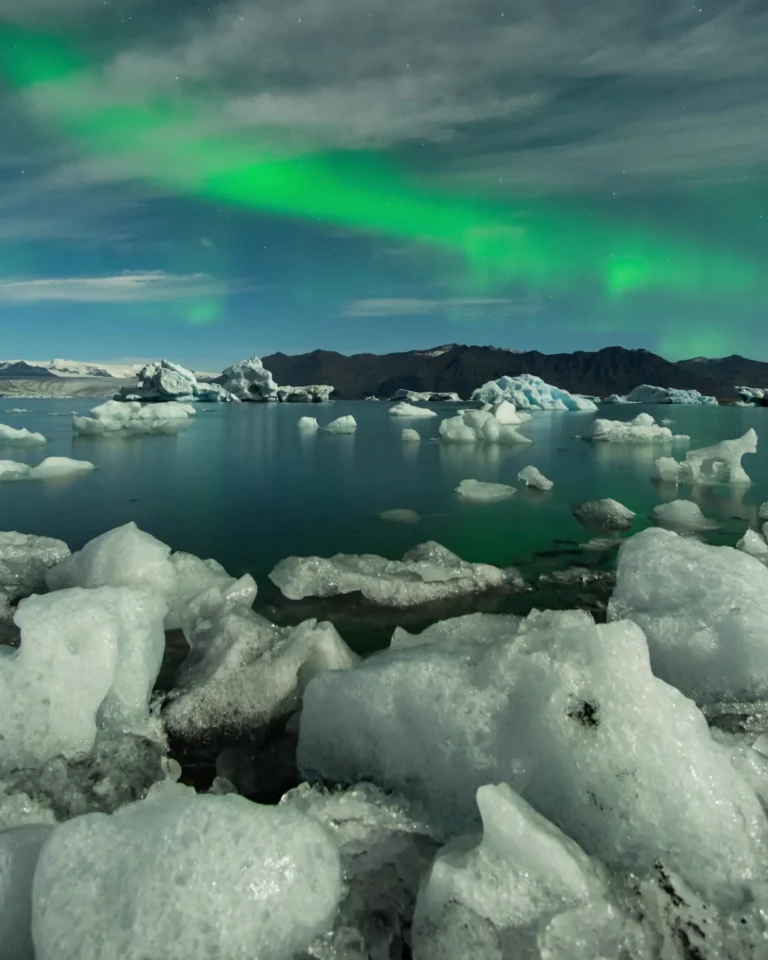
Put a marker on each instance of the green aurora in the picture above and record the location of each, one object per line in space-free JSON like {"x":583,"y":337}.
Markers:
{"x":539,"y":247}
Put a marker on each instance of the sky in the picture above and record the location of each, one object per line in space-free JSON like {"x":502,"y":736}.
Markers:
{"x":207,"y":181}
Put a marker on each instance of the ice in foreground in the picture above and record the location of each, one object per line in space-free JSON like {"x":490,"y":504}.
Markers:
{"x":427,"y":572}
{"x":115,"y":417}
{"x":24,"y":560}
{"x":408,"y":410}
{"x":533,"y":477}
{"x":529,"y":392}
{"x":703,"y":610}
{"x":19,"y":852}
{"x":643,"y":429}
{"x":682,"y":516}
{"x":204,"y":876}
{"x":568,"y":714}
{"x":346,"y":424}
{"x":52,"y":468}
{"x":476,"y":491}
{"x":19,"y":438}
{"x":604,"y":515}
{"x":719,"y":463}
{"x":753,"y":545}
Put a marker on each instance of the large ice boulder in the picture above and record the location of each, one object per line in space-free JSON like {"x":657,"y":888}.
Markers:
{"x":24,"y":560}
{"x":19,"y":852}
{"x":643,"y":429}
{"x":346,"y":424}
{"x":131,"y":417}
{"x":408,"y":410}
{"x":51,"y":468}
{"x":477,"y":491}
{"x":19,"y":438}
{"x":250,"y":380}
{"x":166,"y":381}
{"x":495,"y":425}
{"x":127,"y":556}
{"x":533,"y":477}
{"x":427,"y":572}
{"x":86,"y":657}
{"x":753,"y":544}
{"x":203,"y":876}
{"x":530,"y":392}
{"x":645,"y":393}
{"x":606,"y":514}
{"x":314,"y":393}
{"x":751,"y":394}
{"x":703,"y":609}
{"x":682,"y":516}
{"x":567,"y":713}
{"x":718,"y":463}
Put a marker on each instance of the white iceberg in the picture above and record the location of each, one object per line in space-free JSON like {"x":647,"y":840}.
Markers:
{"x":476,"y":491}
{"x":459,"y":631}
{"x":308,"y":423}
{"x":614,"y":398}
{"x":411,"y":436}
{"x":400,"y":515}
{"x":533,"y":477}
{"x":605,"y":514}
{"x":529,"y":392}
{"x":51,"y":468}
{"x":682,"y":516}
{"x":753,"y":545}
{"x":314,"y":393}
{"x":346,"y":424}
{"x":408,"y":410}
{"x":475,"y":426}
{"x":427,"y":572}
{"x":17,"y":410}
{"x":250,"y":380}
{"x":204,"y":876}
{"x":131,"y":417}
{"x":703,"y":610}
{"x":505,"y":412}
{"x":645,"y":393}
{"x":719,"y":463}
{"x":165,"y":381}
{"x":567,"y":713}
{"x":425,"y":396}
{"x":751,"y":395}
{"x":643,"y":429}
{"x":19,"y":438}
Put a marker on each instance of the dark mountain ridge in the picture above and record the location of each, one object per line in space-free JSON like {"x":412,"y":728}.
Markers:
{"x":461,"y":369}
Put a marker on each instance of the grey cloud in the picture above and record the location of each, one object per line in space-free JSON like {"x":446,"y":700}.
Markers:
{"x":151,"y":286}
{"x":410,"y":306}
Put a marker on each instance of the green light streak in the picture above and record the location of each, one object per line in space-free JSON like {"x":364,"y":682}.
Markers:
{"x":534,"y":245}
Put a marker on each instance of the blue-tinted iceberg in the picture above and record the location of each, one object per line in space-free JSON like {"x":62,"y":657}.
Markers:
{"x":530,"y":392}
{"x":645,"y":393}
{"x":163,"y":380}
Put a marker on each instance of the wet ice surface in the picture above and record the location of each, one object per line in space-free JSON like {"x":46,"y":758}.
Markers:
{"x":577,"y":805}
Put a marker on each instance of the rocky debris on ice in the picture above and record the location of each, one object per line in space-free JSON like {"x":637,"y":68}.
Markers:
{"x":408,"y":410}
{"x":52,"y":468}
{"x":9,"y":436}
{"x":567,"y":713}
{"x":645,"y":393}
{"x":308,"y":424}
{"x":529,"y":392}
{"x":244,"y":672}
{"x":129,"y":557}
{"x":132,"y":417}
{"x":703,"y":610}
{"x":604,"y":515}
{"x":476,"y":491}
{"x":24,"y":560}
{"x":164,"y":381}
{"x":346,"y":424}
{"x":643,"y":429}
{"x":400,"y":515}
{"x":425,"y":396}
{"x":495,"y":425}
{"x":682,"y":516}
{"x":533,"y":477}
{"x":411,"y":436}
{"x":426,"y":573}
{"x":719,"y":463}
{"x":203,"y":875}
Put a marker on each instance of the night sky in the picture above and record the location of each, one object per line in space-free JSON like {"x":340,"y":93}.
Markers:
{"x":207,"y":181}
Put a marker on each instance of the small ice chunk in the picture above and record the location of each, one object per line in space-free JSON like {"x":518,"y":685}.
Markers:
{"x":202,"y":875}
{"x":719,"y":463}
{"x":346,"y":424}
{"x":533,"y":477}
{"x":479,"y":492}
{"x":666,"y":422}
{"x":643,"y":429}
{"x":457,"y":631}
{"x":703,"y":609}
{"x":762,"y":511}
{"x":753,"y":545}
{"x":17,"y":410}
{"x":455,"y":430}
{"x":411,"y":436}
{"x":427,"y":572}
{"x":11,"y":470}
{"x":401,"y":515}
{"x":605,"y":514}
{"x":683,"y":516}
{"x":409,"y":410}
{"x":308,"y":423}
{"x":19,"y":438}
{"x":53,"y":467}
{"x":19,"y":852}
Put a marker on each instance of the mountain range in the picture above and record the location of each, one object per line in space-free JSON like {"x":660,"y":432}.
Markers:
{"x":458,"y":368}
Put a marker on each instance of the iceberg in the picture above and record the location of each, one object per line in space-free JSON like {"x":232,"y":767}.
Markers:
{"x":751,"y":395}
{"x":51,"y":468}
{"x":603,"y":515}
{"x":131,"y":417}
{"x":719,"y":463}
{"x":682,"y":516}
{"x":529,"y":392}
{"x":753,"y":545}
{"x":475,"y":426}
{"x":314,"y":393}
{"x":250,"y":380}
{"x":643,"y":429}
{"x":19,"y":438}
{"x":645,"y":393}
{"x":346,"y":424}
{"x":478,"y":492}
{"x":533,"y":477}
{"x":411,"y":436}
{"x":703,"y":610}
{"x":400,"y":515}
{"x":204,"y":876}
{"x":408,"y":410}
{"x":308,"y":424}
{"x":569,"y":714}
{"x":24,"y":560}
{"x":614,"y":398}
{"x":427,"y":572}
{"x":165,"y":381}
{"x":425,"y":396}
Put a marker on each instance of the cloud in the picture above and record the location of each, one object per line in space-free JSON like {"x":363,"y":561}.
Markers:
{"x":410,"y":307}
{"x":148,"y":287}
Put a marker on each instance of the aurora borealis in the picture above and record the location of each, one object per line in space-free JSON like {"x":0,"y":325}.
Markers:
{"x":667,"y":263}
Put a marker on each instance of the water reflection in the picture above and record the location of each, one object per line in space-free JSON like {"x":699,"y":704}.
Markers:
{"x":472,"y":456}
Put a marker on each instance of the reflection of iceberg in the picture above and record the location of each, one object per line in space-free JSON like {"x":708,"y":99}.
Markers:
{"x":469,"y":456}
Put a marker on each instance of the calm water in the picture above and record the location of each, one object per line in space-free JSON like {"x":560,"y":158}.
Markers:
{"x":244,"y":486}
